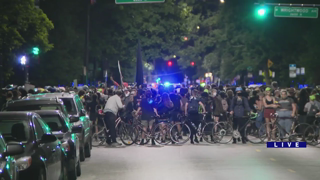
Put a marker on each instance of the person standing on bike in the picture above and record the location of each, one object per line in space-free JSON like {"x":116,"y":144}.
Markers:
{"x":192,"y":111}
{"x":286,"y":112}
{"x":111,"y":109}
{"x":148,"y":108}
{"x":239,"y":109}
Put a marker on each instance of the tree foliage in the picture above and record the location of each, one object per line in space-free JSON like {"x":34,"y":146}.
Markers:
{"x":22,"y":26}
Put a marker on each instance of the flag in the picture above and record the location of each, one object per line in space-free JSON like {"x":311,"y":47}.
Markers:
{"x":270,"y":63}
{"x":121,"y":78}
{"x":139,"y":67}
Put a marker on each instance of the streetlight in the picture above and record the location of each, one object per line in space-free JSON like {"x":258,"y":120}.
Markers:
{"x":221,"y":1}
{"x":23,"y":60}
{"x":174,"y":56}
{"x":198,"y":27}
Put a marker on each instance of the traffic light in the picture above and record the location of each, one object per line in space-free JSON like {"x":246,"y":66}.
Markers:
{"x":35,"y":50}
{"x":170,"y":63}
{"x":192,"y":63}
{"x":261,"y":12}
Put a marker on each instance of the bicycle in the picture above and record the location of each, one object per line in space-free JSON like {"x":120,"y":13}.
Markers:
{"x":276,"y":128}
{"x":204,"y":130}
{"x":251,"y":131}
{"x":124,"y":131}
{"x":158,"y":132}
{"x":311,"y":133}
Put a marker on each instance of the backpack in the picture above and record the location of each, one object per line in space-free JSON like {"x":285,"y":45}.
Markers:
{"x":193,"y":106}
{"x":224,"y":105}
{"x":313,"y":110}
{"x":235,"y":104}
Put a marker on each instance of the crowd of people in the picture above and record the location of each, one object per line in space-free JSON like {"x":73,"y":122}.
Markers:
{"x":219,"y":103}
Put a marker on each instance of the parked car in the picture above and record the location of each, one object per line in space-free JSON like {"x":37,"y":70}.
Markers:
{"x":43,"y":157}
{"x":61,"y":128}
{"x":54,"y":103}
{"x":77,"y":115}
{"x":8,"y":168}
{"x":36,"y":104}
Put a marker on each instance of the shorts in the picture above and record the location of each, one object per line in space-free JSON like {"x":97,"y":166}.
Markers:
{"x":147,"y":123}
{"x":267,"y":113}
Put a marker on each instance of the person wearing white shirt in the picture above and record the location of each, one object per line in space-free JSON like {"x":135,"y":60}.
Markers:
{"x":111,"y":109}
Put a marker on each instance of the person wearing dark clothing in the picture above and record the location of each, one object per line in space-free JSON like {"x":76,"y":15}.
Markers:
{"x":148,"y":108}
{"x":239,"y":109}
{"x":192,"y":111}
{"x":92,"y":107}
{"x":15,"y":95}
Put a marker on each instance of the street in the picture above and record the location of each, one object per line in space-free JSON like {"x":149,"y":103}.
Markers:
{"x":202,"y":162}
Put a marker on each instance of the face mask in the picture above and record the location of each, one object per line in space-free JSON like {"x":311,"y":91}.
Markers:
{"x":127,"y":94}
{"x":214,"y":94}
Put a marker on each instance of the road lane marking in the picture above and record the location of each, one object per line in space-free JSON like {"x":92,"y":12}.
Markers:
{"x":272,"y":159}
{"x":258,"y":150}
{"x":290,"y":170}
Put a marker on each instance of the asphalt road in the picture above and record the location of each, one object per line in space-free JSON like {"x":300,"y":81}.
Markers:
{"x":202,"y":162}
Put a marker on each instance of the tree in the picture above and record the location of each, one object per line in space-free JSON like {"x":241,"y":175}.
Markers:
{"x":22,"y":27}
{"x":117,"y":28}
{"x":64,"y":62}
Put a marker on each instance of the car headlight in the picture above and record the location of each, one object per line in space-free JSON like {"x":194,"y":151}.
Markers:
{"x":24,"y":162}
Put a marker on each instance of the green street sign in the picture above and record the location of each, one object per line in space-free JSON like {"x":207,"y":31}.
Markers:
{"x":138,"y":1}
{"x":295,"y":12}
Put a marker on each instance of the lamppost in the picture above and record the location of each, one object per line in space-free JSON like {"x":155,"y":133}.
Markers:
{"x":23,"y":62}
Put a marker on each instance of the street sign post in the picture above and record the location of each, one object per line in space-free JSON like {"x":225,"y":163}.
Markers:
{"x":295,"y":12}
{"x":292,"y":70}
{"x":138,"y":1}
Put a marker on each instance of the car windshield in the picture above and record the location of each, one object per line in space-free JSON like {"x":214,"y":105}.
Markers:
{"x":14,"y":130}
{"x":2,"y":145}
{"x":70,"y":106}
{"x":54,"y":122}
{"x":34,"y":107}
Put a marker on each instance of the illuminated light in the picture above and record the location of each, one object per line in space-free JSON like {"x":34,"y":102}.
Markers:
{"x":35,"y":50}
{"x":23,"y":60}
{"x":261,"y":12}
{"x":185,"y":38}
{"x":158,"y":80}
{"x":170,"y":63}
{"x":222,"y":1}
{"x":192,"y":63}
{"x":174,"y":56}
{"x":203,"y":84}
{"x":198,"y":27}
{"x":166,"y":84}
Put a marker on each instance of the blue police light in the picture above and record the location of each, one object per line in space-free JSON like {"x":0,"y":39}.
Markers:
{"x":166,"y":84}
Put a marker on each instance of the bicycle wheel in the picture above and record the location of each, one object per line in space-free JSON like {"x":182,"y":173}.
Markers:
{"x":252,"y":133}
{"x":311,"y":135}
{"x":99,"y":136}
{"x":298,"y":133}
{"x":139,"y":132}
{"x":207,"y":133}
{"x":161,"y":132}
{"x":127,"y":134}
{"x":223,"y":132}
{"x":180,"y":133}
{"x":274,"y":133}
